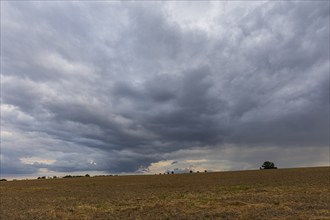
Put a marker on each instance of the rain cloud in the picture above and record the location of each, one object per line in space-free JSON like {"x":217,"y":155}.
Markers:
{"x":125,"y":87}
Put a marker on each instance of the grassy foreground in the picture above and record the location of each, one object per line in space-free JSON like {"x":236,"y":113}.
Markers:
{"x":301,"y":193}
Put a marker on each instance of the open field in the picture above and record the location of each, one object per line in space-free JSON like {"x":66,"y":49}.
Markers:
{"x":301,"y":193}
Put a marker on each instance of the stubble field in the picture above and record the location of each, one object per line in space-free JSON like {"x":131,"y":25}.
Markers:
{"x":301,"y":193}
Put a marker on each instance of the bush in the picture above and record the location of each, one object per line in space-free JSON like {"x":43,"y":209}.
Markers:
{"x":67,"y":176}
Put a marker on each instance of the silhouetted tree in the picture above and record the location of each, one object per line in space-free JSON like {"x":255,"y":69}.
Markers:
{"x":268,"y":165}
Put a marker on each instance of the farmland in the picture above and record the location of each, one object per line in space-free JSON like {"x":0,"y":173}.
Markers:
{"x":299,"y":193}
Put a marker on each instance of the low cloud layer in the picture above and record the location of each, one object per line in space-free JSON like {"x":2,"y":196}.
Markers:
{"x":133,"y":87}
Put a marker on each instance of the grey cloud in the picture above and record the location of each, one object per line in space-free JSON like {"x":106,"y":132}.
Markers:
{"x":130,"y":85}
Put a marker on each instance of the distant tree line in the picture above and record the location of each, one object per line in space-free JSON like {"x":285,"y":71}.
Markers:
{"x":72,"y":176}
{"x":67,"y":176}
{"x":173,"y":172}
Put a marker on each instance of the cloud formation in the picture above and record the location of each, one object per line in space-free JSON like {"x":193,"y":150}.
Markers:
{"x":123,"y":86}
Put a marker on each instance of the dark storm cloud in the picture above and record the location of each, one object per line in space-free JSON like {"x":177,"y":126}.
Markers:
{"x":113,"y":86}
{"x":191,"y":114}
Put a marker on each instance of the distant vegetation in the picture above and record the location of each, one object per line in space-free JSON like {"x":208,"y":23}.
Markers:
{"x":67,"y":176}
{"x":70,"y":176}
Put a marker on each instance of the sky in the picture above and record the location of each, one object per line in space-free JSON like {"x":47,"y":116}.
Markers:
{"x":146,"y":87}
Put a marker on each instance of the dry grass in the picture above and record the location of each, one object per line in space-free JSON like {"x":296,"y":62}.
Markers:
{"x":301,"y":193}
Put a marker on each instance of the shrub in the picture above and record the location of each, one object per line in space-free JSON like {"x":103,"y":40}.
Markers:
{"x":67,"y":176}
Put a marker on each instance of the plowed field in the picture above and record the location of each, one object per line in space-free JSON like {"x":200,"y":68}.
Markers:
{"x":300,"y":193}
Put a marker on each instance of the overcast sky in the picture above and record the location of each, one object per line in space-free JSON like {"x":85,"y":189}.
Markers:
{"x":146,"y":87}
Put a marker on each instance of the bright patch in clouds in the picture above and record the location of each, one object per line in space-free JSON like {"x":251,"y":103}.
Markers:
{"x":33,"y":160}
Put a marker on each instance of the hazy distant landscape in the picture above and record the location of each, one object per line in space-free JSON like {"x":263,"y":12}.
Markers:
{"x":300,"y":193}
